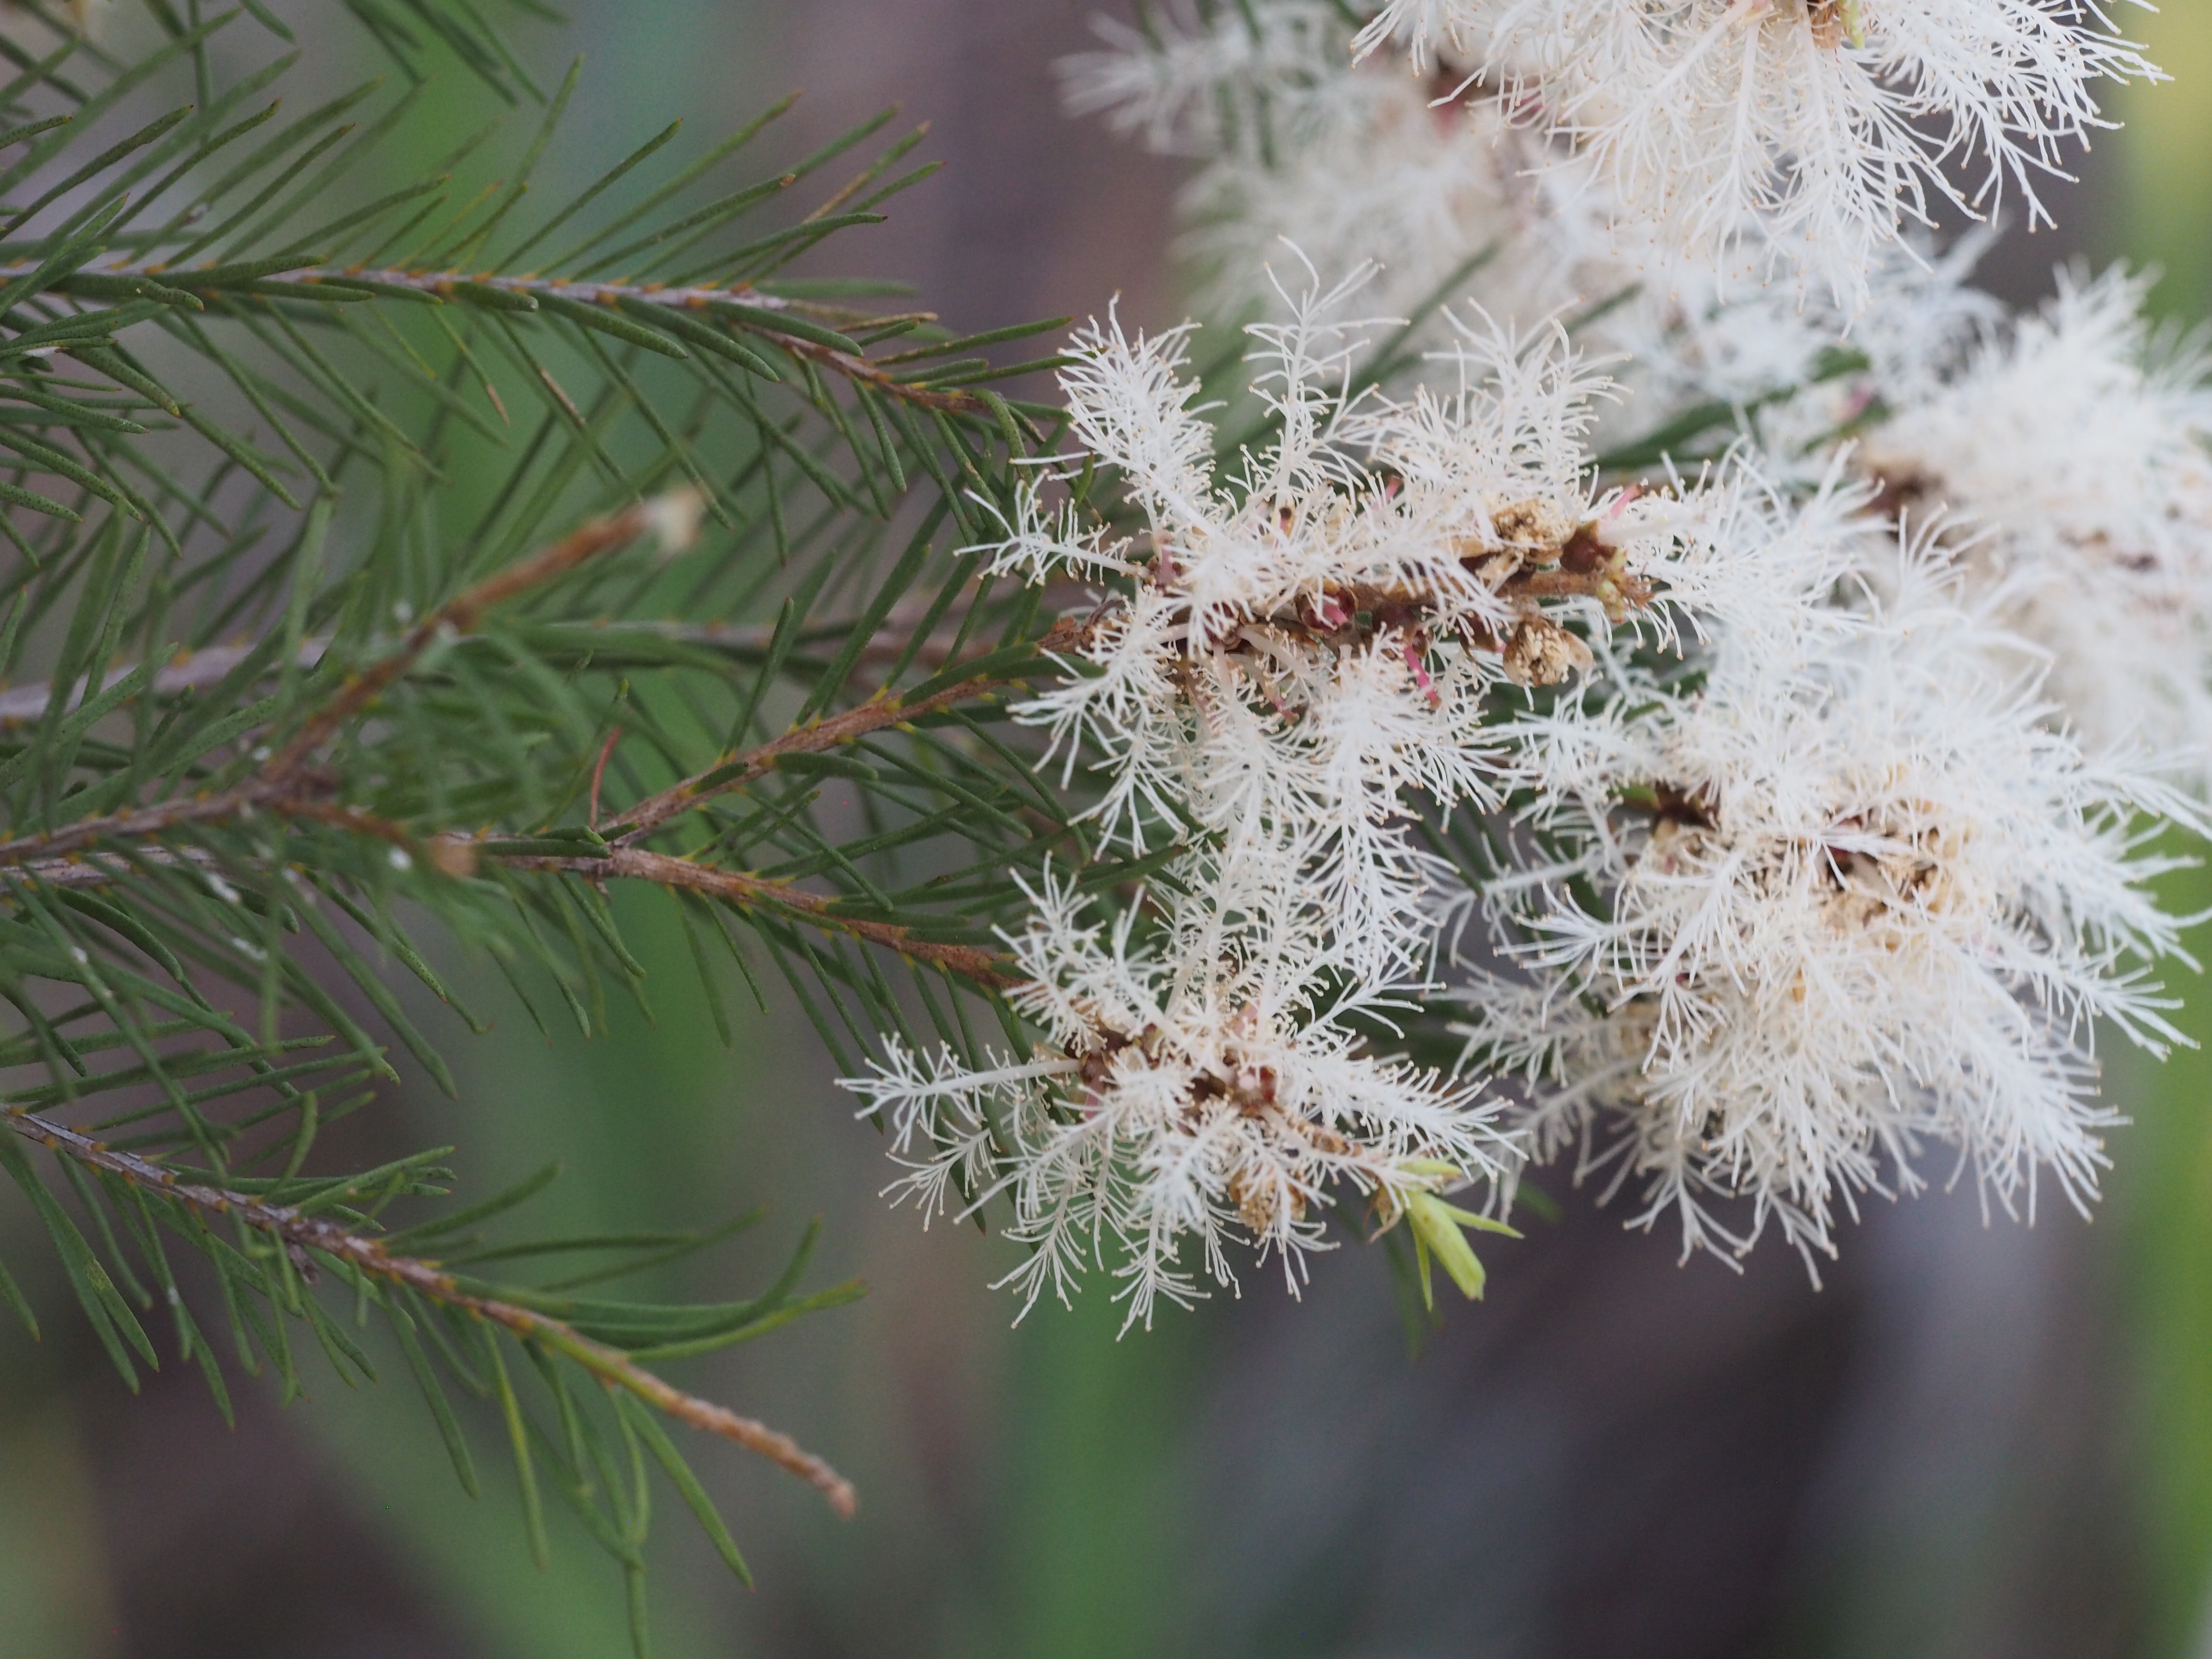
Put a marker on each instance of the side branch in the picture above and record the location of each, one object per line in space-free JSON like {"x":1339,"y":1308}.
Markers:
{"x":673,"y":516}
{"x":210,"y":665}
{"x":286,"y":784}
{"x":750,"y":312}
{"x":816,"y":737}
{"x":766,"y":316}
{"x":985,"y":968}
{"x":366,"y":1255}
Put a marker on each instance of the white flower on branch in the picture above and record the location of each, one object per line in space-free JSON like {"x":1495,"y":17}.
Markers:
{"x":1210,"y":1092}
{"x":1797,"y":375}
{"x":1300,"y":143}
{"x":1457,"y":200}
{"x":2076,"y":443}
{"x":1294,"y":656}
{"x":1307,"y":643}
{"x":1854,"y":900}
{"x":1827,"y":123}
{"x":1240,"y":82}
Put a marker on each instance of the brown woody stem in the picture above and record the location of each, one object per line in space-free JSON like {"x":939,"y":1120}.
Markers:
{"x":198,"y":671}
{"x":284,"y":785}
{"x":460,"y":615}
{"x":366,"y":1255}
{"x":816,"y":737}
{"x":288,"y":786}
{"x":454,"y":286}
{"x":985,"y":968}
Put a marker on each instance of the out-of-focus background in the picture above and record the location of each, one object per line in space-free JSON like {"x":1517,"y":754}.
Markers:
{"x":1974,"y":1441}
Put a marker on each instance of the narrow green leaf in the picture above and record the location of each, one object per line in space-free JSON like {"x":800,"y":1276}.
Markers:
{"x":14,"y":495}
{"x":648,"y":1430}
{"x":12,"y":1294}
{"x":107,"y":158}
{"x":610,"y":177}
{"x":414,"y":1238}
{"x":764,"y":321}
{"x":112,"y":1321}
{"x":518,"y":1434}
{"x":697,"y":333}
{"x":606,"y":321}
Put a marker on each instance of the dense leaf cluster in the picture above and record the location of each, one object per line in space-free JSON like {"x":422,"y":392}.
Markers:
{"x":395,"y":566}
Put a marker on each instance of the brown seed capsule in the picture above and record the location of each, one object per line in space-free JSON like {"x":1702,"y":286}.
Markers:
{"x":1535,"y":527}
{"x":1584,"y":555}
{"x":451,"y":855}
{"x":1257,"y":1204}
{"x":1541,"y":653}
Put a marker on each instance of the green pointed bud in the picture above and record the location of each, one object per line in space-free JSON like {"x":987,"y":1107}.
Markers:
{"x":1437,"y":1227}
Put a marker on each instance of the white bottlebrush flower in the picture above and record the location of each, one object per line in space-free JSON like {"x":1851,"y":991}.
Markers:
{"x":1300,"y":143}
{"x":1199,"y":1093}
{"x":1459,"y":199}
{"x":1233,"y":84}
{"x":1825,"y":124}
{"x":1855,"y":900}
{"x":2074,"y":445}
{"x":1305,"y":645}
{"x":1297,"y":652}
{"x":1441,"y":198}
{"x":1296,"y":658}
{"x":1798,"y":374}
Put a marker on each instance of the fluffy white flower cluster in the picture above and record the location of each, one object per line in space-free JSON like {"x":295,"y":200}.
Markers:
{"x":1210,"y":1085}
{"x":1793,"y":883}
{"x":1307,"y":642}
{"x":1295,"y":654}
{"x":1813,"y":794}
{"x":1855,"y":897}
{"x":2077,"y":445}
{"x":1695,"y":145}
{"x":1298,"y":143}
{"x":1818,"y":127}
{"x":2069,"y":448}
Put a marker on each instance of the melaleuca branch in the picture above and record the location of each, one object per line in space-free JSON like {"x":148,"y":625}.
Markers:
{"x":835,"y":731}
{"x":662,"y":319}
{"x":204,"y":670}
{"x":366,"y":1254}
{"x":286,"y":785}
{"x":984,"y":968}
{"x":459,"y":854}
{"x":290,"y":785}
{"x":269,"y":739}
{"x":672,"y":516}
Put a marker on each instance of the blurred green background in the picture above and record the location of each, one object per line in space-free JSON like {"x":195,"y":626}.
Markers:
{"x":1973,"y":1442}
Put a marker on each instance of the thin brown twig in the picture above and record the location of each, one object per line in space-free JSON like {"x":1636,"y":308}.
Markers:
{"x":191,"y":671}
{"x":23,"y":852}
{"x":286,"y":785}
{"x":444,"y":286}
{"x":198,"y":671}
{"x":460,"y":856}
{"x":366,"y":1255}
{"x":599,"y":775}
{"x":817,"y":736}
{"x":99,"y":868}
{"x":460,"y":615}
{"x":982,"y":966}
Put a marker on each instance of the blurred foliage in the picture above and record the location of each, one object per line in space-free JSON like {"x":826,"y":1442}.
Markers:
{"x":2163,"y":1187}
{"x":360,"y":591}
